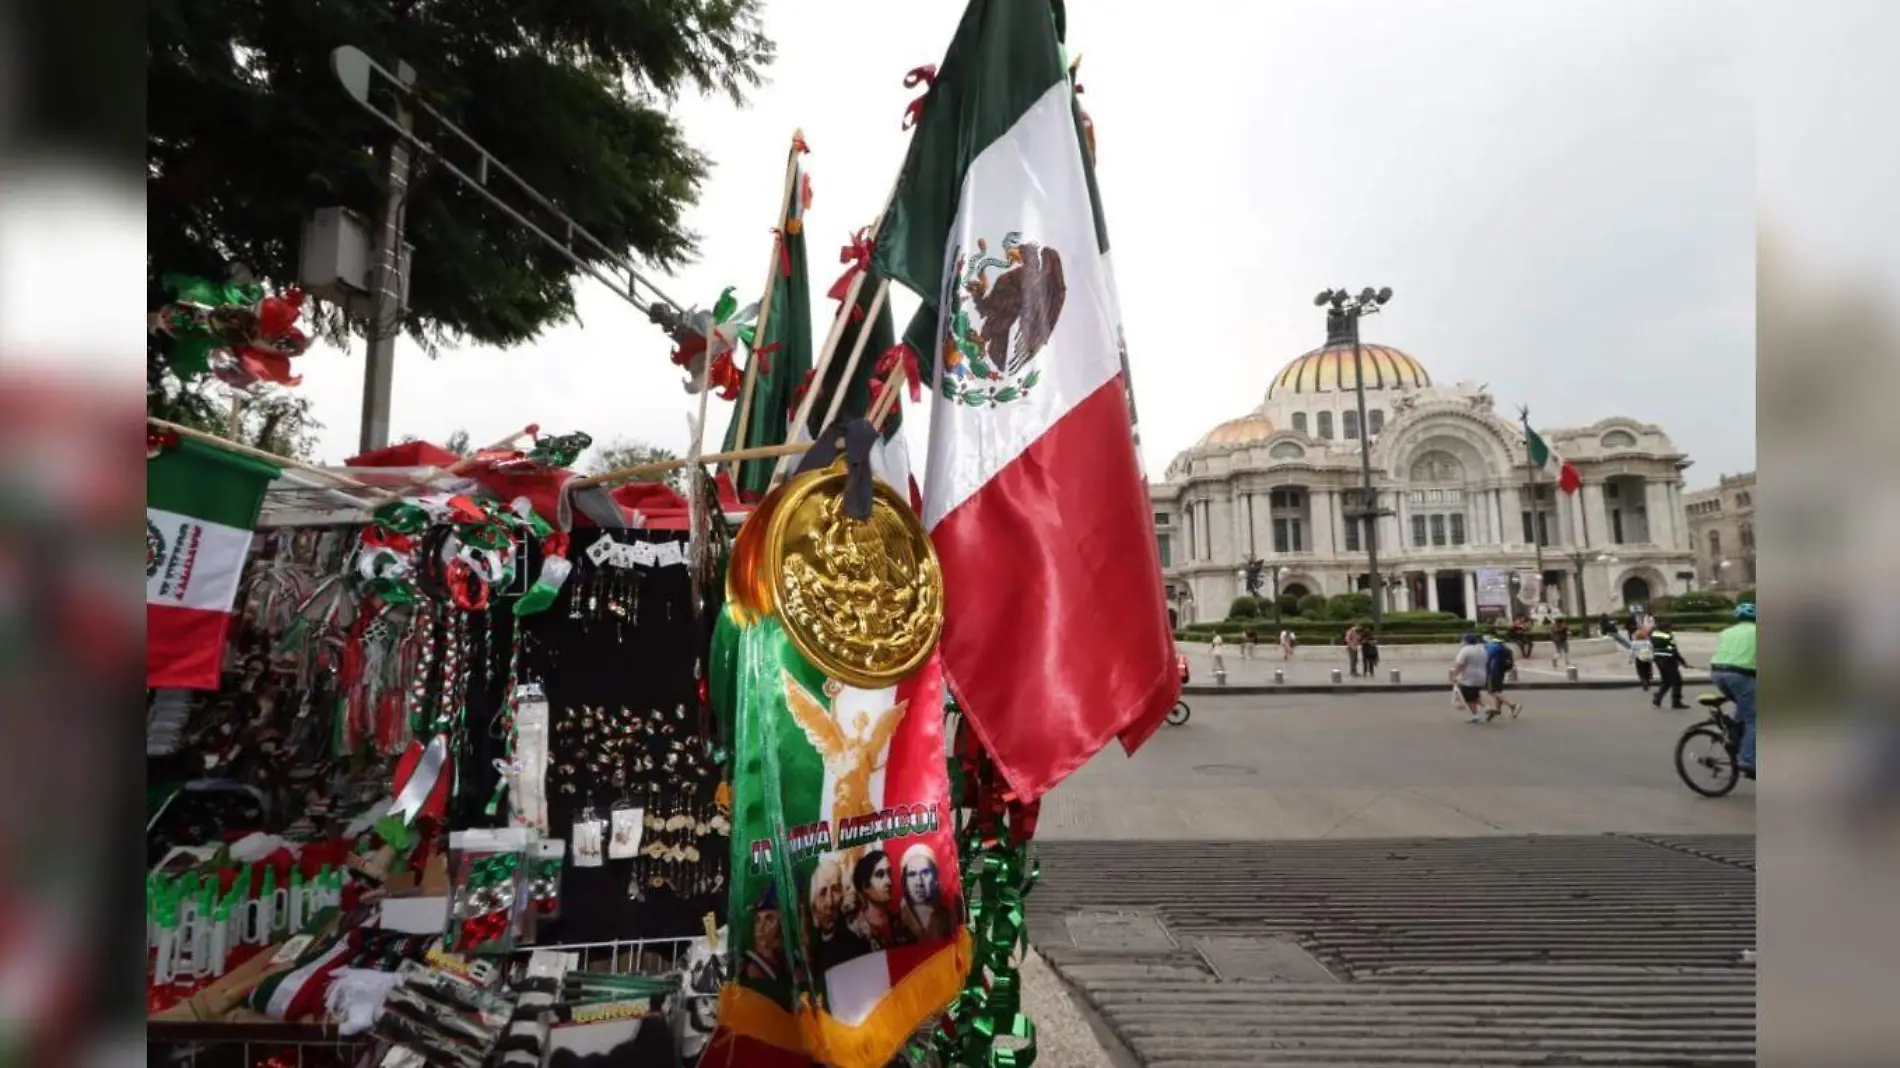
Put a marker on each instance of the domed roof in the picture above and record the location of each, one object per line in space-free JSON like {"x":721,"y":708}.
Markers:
{"x":1251,"y":427}
{"x":1330,"y":370}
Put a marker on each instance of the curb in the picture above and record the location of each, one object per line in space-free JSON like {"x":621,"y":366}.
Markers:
{"x":1254,"y":689}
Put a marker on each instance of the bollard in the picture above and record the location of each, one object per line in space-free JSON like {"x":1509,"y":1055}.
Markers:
{"x":1513,"y":674}
{"x":1570,"y":673}
{"x":1335,"y":676}
{"x":1220,"y":676}
{"x":1395,"y":676}
{"x":1279,"y":676}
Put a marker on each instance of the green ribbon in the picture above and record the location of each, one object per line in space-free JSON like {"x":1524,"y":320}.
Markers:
{"x":560,"y":450}
{"x":398,"y":835}
{"x":998,"y":873}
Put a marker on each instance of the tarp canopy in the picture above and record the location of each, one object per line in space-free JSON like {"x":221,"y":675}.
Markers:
{"x":419,"y":469}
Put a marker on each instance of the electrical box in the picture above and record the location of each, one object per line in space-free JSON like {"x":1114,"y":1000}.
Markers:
{"x":337,"y":261}
{"x":334,"y":262}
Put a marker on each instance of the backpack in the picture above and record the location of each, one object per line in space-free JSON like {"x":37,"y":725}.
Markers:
{"x":1502,"y":659}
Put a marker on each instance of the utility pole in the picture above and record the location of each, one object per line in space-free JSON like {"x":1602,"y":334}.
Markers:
{"x":358,"y":73}
{"x":1342,"y":321}
{"x":385,"y":296}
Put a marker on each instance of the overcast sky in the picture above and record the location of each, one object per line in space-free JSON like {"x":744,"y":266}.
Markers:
{"x":1561,"y":194}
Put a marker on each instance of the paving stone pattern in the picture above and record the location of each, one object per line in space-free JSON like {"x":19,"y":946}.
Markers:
{"x":1570,"y":950}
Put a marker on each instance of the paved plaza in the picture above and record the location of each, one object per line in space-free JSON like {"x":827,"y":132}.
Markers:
{"x":1367,"y":879}
{"x":1597,"y":660}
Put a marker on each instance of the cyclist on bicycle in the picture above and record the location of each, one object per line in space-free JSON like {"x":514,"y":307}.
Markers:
{"x":1732,"y":670}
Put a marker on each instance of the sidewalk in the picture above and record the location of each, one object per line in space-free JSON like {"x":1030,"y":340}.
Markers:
{"x":1310,"y":671}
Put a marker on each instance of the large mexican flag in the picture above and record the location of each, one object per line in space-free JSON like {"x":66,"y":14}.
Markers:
{"x":1034,"y":497}
{"x":846,"y":901}
{"x":201,"y":504}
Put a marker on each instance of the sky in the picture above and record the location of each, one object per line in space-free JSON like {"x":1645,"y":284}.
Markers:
{"x":1562,"y":196}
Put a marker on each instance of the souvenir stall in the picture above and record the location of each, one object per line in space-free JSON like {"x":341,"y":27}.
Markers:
{"x":433,"y":741}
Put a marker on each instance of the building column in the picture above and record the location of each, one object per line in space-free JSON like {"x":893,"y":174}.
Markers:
{"x":1431,"y":590}
{"x":1511,"y":505}
{"x":1320,"y":506}
{"x":1596,"y":510}
{"x":1656,"y":507}
{"x":1471,"y":595}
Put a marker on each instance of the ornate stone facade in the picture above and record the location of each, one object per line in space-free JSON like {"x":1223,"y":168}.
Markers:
{"x":1449,"y":471}
{"x":1722,"y":530}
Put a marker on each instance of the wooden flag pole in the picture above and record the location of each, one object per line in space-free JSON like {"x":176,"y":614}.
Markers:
{"x":661,"y":467}
{"x":771,"y":284}
{"x":857,"y":351}
{"x":838,"y":323}
{"x":458,"y":467}
{"x":887,"y":397}
{"x":259,"y":454}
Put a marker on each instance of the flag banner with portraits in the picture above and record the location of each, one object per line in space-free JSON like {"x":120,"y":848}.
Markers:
{"x":846,"y":911}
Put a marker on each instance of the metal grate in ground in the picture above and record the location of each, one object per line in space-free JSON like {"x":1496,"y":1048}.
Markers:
{"x":1545,"y":950}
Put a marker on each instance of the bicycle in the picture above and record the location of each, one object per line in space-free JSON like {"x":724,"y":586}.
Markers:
{"x":1719,"y":770}
{"x":1180,"y":712}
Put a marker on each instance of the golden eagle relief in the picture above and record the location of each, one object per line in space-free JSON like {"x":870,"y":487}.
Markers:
{"x":1020,"y":306}
{"x":862,"y":599}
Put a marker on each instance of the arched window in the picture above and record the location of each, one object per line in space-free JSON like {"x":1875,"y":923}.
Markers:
{"x":1326,"y":425}
{"x":1619,"y":439}
{"x":1286,"y":450}
{"x":1299,"y":422}
{"x":1375,"y":421}
{"x":1715,"y":543}
{"x":1349,"y":423}
{"x":1748,"y":537}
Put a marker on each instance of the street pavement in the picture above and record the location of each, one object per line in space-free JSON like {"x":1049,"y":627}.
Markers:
{"x":1370,"y":880}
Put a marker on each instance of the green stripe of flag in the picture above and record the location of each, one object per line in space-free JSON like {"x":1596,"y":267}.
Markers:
{"x":208,"y":483}
{"x":1004,"y":57}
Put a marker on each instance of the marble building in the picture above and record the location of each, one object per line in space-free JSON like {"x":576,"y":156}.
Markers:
{"x":1722,"y":530}
{"x":1457,"y":501}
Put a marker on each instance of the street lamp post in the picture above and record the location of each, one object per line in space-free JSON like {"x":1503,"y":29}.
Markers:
{"x":1577,"y":561}
{"x":1342,"y":320}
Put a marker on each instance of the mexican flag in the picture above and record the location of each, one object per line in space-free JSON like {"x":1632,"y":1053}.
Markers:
{"x":1034,"y":496}
{"x":201,"y":504}
{"x":1545,"y":459}
{"x":784,"y":352}
{"x":847,"y":931}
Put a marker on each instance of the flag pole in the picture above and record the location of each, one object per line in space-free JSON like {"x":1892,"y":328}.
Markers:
{"x":857,"y":351}
{"x":836,"y":334}
{"x":771,"y":284}
{"x":1537,"y":515}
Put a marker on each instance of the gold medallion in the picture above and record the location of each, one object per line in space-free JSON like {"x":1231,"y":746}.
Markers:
{"x":861,"y":599}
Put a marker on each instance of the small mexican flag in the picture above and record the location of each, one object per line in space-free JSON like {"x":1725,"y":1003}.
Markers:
{"x":1545,"y":459}
{"x":201,"y":504}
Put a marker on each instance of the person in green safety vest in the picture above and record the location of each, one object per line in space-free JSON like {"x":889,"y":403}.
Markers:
{"x":1732,"y":670}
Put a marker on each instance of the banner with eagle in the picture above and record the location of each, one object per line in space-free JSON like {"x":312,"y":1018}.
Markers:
{"x":846,"y":910}
{"x":1034,"y":495}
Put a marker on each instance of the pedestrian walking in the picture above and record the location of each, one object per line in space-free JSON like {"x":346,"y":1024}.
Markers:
{"x":1352,"y":648}
{"x":1246,"y":644}
{"x":1498,"y":663}
{"x":1669,"y":664}
{"x":1643,"y":655}
{"x":1559,"y":643}
{"x":1469,"y":672}
{"x":1287,"y":642}
{"x":1369,"y":653}
{"x":1732,"y":669}
{"x":1218,"y":649}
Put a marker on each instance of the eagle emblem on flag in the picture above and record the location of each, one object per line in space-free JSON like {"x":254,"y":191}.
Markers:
{"x":998,"y":324}
{"x":154,"y":549}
